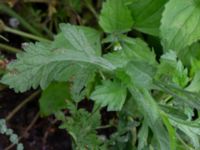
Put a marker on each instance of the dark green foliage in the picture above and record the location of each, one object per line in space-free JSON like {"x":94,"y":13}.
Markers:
{"x":155,"y":100}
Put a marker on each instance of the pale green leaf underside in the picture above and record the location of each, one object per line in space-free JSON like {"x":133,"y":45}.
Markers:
{"x":111,"y":94}
{"x":180,"y":24}
{"x":115,"y":17}
{"x":42,"y":63}
{"x":35,"y":68}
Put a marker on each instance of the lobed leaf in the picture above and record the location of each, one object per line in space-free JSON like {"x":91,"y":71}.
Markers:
{"x":115,"y":17}
{"x":111,"y":94}
{"x":171,"y":69}
{"x":82,"y":131}
{"x":41,"y":64}
{"x":147,"y":15}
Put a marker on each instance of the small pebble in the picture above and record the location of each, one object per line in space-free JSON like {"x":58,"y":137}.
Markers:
{"x":13,"y":22}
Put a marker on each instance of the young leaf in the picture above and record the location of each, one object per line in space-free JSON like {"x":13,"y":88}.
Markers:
{"x":111,"y":94}
{"x":115,"y":17}
{"x":147,"y":15}
{"x":54,"y":98}
{"x":82,"y":131}
{"x":180,"y":76}
{"x":180,"y":24}
{"x":171,"y":69}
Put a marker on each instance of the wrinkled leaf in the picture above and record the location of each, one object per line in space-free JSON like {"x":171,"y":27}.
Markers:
{"x":40,"y":64}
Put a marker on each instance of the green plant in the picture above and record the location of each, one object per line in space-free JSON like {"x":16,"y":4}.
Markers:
{"x":154,"y":93}
{"x":14,"y":139}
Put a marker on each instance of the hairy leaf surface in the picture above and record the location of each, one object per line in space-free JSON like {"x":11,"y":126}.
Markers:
{"x":40,"y":63}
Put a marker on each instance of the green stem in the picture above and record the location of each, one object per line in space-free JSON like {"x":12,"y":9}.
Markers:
{"x":9,"y":48}
{"x":24,"y":34}
{"x":5,"y":39}
{"x":104,"y":127}
{"x":22,"y":104}
{"x":168,"y":98}
{"x":23,"y":22}
{"x":102,"y":75}
{"x":186,"y":146}
{"x":91,"y":8}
